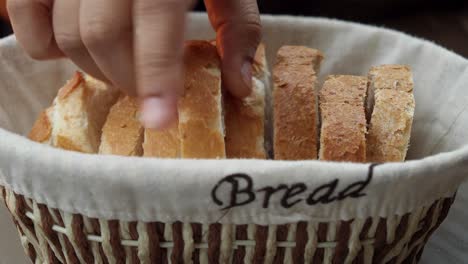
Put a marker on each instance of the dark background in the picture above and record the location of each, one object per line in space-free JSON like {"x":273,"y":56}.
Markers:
{"x":442,"y":21}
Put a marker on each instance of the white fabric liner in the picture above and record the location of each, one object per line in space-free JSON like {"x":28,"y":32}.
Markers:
{"x":180,"y":190}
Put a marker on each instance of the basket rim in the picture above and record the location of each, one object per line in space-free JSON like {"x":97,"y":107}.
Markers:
{"x":56,"y":152}
{"x":48,"y":150}
{"x":21,"y":180}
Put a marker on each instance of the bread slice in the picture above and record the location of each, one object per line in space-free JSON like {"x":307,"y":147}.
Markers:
{"x":162,"y":144}
{"x":343,"y":130}
{"x":42,"y":129}
{"x":201,"y":124}
{"x":392,"y":115}
{"x":245,"y":123}
{"x":260,"y":65}
{"x":347,"y":89}
{"x":78,"y":113}
{"x":80,"y":110}
{"x":122,"y":133}
{"x":245,"y":118}
{"x":295,"y":134}
{"x":391,"y":76}
{"x":262,"y":73}
{"x":202,"y":92}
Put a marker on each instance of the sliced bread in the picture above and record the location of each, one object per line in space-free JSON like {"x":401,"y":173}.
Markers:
{"x":343,"y":126}
{"x":392,"y":111}
{"x":245,"y":118}
{"x":122,"y":133}
{"x":78,"y":113}
{"x":295,"y":125}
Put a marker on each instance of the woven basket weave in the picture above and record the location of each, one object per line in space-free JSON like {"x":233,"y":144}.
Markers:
{"x":52,"y":236}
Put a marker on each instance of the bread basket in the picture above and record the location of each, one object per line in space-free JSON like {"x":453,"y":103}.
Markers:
{"x":80,"y":208}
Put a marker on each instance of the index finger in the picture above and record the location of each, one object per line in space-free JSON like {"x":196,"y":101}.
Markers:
{"x":159,"y":27}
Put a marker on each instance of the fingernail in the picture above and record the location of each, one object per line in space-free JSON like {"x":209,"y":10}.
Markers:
{"x":246,"y":72}
{"x":157,"y":112}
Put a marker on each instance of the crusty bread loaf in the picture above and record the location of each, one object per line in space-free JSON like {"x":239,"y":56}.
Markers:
{"x":343,"y":131}
{"x":201,"y":125}
{"x":245,"y":118}
{"x":122,"y":133}
{"x":75,"y":119}
{"x":392,"y":113}
{"x":295,"y":134}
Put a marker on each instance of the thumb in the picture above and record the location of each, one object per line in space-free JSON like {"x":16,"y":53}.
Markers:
{"x":238,"y":33}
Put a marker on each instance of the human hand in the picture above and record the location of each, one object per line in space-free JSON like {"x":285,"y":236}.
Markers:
{"x":137,"y":45}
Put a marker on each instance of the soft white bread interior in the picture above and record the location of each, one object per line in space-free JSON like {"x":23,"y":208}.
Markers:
{"x":295,"y":135}
{"x":343,"y":126}
{"x":392,"y":113}
{"x":122,"y":133}
{"x":78,"y":113}
{"x":245,"y":118}
{"x":80,"y":110}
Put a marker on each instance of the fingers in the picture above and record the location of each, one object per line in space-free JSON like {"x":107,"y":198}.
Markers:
{"x":33,"y":27}
{"x":107,"y":34}
{"x":238,"y":33}
{"x":158,"y":42}
{"x":67,"y":34}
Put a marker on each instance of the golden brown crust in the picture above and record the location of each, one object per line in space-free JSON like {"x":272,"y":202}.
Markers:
{"x":245,"y":120}
{"x":200,"y":110}
{"x":343,"y":131}
{"x":71,"y":85}
{"x":67,"y":144}
{"x":343,"y":136}
{"x":42,"y":128}
{"x":122,"y":133}
{"x":200,"y":142}
{"x":390,"y":129}
{"x":344,"y":89}
{"x":396,"y":77}
{"x":393,"y":111}
{"x":301,"y":56}
{"x":294,"y":103}
{"x":162,"y":144}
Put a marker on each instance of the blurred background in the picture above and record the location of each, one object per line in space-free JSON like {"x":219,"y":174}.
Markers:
{"x":442,"y":21}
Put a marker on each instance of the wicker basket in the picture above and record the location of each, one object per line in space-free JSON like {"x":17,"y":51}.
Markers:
{"x":52,"y":236}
